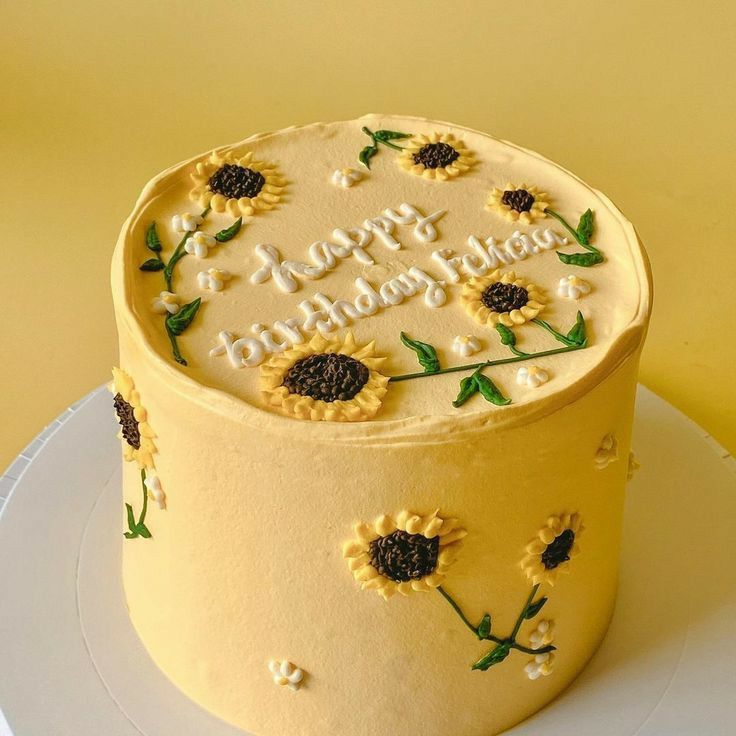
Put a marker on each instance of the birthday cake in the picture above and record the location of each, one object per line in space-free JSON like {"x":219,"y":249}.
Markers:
{"x":376,"y":388}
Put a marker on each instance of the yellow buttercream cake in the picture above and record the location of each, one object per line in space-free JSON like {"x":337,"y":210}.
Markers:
{"x":376,"y":389}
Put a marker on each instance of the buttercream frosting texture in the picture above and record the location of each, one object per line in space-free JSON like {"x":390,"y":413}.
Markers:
{"x":388,"y":404}
{"x":318,"y":260}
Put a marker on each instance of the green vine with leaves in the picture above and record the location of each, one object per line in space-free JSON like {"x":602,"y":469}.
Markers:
{"x":175,"y":324}
{"x":504,"y":645}
{"x":380,"y":137}
{"x":478,"y":383}
{"x":138,"y":528}
{"x":582,"y":234}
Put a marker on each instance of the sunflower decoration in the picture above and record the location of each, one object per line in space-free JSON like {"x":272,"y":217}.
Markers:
{"x":135,"y":432}
{"x":502,"y":298}
{"x":329,"y":380}
{"x":408,"y":554}
{"x":551,"y":551}
{"x":237,"y":185}
{"x":523,"y":203}
{"x":437,"y":156}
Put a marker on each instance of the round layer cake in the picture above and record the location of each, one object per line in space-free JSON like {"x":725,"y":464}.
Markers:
{"x":376,"y":389}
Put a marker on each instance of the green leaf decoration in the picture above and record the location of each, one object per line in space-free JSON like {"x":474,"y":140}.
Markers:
{"x":367,"y":154}
{"x":131,"y":517}
{"x":389,"y":135}
{"x":177,"y":323}
{"x":564,"y":339}
{"x":426,"y":354}
{"x":468,"y":388}
{"x":229,"y":232}
{"x":142,"y":529}
{"x":581,"y":259}
{"x":534,"y":608}
{"x":133,"y":533}
{"x":495,"y":656}
{"x":586,"y":226}
{"x":484,"y":627}
{"x":489,"y":391}
{"x":152,"y":264}
{"x":507,"y":336}
{"x":153,"y":242}
{"x":384,"y":137}
{"x":577,"y":335}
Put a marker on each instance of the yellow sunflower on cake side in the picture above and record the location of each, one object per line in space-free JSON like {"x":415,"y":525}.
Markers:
{"x":410,"y":553}
{"x":328,"y":380}
{"x":132,"y":416}
{"x":550,"y":552}
{"x":502,"y":298}
{"x":237,"y":185}
{"x":436,"y":156}
{"x":521,"y":203}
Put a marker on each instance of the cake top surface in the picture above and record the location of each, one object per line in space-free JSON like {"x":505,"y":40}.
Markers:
{"x":297,"y":272}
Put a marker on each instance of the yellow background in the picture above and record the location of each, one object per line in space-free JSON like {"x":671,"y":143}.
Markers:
{"x":638,"y":98}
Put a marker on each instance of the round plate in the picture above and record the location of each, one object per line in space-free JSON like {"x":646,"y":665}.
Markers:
{"x":71,"y":663}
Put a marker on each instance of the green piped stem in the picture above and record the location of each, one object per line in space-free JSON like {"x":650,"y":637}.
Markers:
{"x":572,"y":231}
{"x":178,"y":254}
{"x":138,"y":528}
{"x":178,"y":357}
{"x":557,"y":335}
{"x":510,"y":641}
{"x":520,"y":619}
{"x":567,"y":226}
{"x":457,"y":609}
{"x":379,"y":141}
{"x":144,"y":510}
{"x":488,"y":363}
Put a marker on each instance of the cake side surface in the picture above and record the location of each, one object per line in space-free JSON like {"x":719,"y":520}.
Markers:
{"x":361,"y":529}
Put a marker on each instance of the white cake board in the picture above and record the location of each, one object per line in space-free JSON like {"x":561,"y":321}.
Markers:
{"x":71,"y":663}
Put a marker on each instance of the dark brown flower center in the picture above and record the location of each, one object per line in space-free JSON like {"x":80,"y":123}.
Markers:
{"x":234,"y":182}
{"x":128,"y":422}
{"x":327,"y":377}
{"x":500,"y":297}
{"x":435,"y":155}
{"x":401,"y":556}
{"x":518,"y":199}
{"x":558,"y":550}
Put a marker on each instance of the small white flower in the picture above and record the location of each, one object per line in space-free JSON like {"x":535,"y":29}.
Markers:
{"x":542,"y":635}
{"x":607,"y":453}
{"x":531,"y":376}
{"x":285,"y":673}
{"x":155,"y":492}
{"x":213,"y":279}
{"x":165,"y":302}
{"x":199,"y":243}
{"x":465,"y":345}
{"x":634,"y":465}
{"x":346,"y":177}
{"x":572,"y":287}
{"x":186,"y":223}
{"x":539,"y":666}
